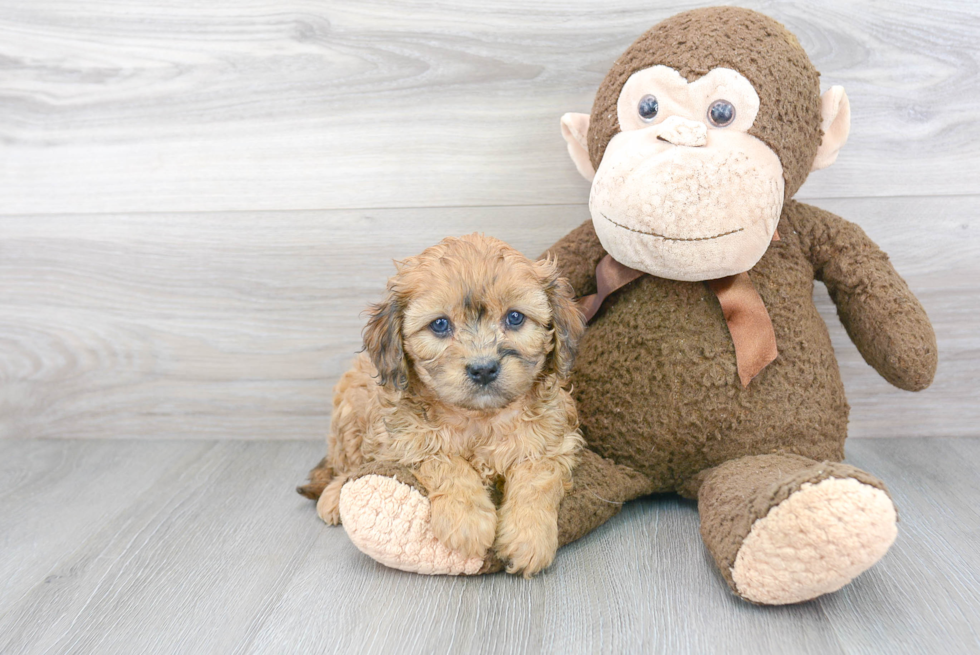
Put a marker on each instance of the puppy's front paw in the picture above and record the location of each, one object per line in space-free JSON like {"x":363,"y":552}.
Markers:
{"x":467,"y":525}
{"x":528,"y":541}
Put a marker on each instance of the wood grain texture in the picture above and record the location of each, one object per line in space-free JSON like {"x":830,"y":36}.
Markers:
{"x":215,"y":553}
{"x":49,"y":504}
{"x":192,"y":564}
{"x":238,"y":325}
{"x":925,"y":594}
{"x":171,"y":105}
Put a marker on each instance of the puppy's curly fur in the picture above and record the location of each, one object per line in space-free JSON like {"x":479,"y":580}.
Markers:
{"x":462,"y":380}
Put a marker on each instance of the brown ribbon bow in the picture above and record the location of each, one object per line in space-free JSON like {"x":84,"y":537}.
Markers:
{"x":747,"y":317}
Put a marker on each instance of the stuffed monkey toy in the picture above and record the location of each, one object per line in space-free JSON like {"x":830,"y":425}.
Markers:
{"x":706,"y":369}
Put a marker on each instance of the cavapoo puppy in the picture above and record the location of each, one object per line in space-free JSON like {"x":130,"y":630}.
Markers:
{"x":461,"y":380}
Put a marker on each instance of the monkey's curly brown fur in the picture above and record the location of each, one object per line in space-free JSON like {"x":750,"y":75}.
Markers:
{"x":695,"y":42}
{"x":660,"y":400}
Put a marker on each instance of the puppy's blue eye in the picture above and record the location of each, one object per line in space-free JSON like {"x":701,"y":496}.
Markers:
{"x":648,"y":107}
{"x":515,"y":319}
{"x":440,"y":327}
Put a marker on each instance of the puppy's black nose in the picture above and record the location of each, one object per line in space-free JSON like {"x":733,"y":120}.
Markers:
{"x":483,"y":372}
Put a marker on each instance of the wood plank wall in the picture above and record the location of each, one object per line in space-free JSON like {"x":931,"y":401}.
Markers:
{"x":198,"y":199}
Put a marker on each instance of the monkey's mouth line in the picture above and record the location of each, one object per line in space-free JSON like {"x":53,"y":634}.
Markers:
{"x":667,"y":238}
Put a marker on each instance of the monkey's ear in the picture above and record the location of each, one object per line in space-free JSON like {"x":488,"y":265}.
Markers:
{"x":383,"y":341}
{"x":835,"y":112}
{"x":575,"y":129}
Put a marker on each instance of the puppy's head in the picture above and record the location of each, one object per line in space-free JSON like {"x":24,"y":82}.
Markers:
{"x":475,"y":322}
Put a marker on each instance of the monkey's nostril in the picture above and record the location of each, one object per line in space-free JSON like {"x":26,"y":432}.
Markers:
{"x":483,"y":373}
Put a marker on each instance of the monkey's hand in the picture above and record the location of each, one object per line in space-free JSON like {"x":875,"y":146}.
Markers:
{"x":881,"y":315}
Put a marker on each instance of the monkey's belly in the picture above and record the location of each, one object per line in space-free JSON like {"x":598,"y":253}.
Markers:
{"x":658,"y":391}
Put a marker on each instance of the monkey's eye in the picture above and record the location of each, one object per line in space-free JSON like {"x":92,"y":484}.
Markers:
{"x":515,"y":319}
{"x":648,"y":107}
{"x":721,"y":113}
{"x":441,"y":326}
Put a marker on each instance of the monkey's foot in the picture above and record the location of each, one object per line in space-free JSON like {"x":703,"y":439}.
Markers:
{"x":814,"y":542}
{"x":389,"y":521}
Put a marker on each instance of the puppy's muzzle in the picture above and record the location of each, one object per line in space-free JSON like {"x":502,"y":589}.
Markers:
{"x":483,"y":372}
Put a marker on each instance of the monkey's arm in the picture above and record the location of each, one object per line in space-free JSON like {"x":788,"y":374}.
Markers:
{"x":884,"y":320}
{"x":578,"y":253}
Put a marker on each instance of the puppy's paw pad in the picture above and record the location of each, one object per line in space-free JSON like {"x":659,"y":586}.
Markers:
{"x":391,"y":523}
{"x":815,"y":542}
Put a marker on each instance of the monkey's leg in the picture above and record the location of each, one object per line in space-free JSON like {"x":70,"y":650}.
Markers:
{"x":600,"y":487}
{"x":386,"y":513}
{"x":785,"y":529}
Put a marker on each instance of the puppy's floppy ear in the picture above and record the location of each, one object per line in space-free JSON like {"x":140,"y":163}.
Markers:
{"x":568,"y":322}
{"x":383,"y":339}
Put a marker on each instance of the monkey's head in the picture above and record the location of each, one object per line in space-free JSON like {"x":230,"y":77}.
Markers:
{"x":698,"y":134}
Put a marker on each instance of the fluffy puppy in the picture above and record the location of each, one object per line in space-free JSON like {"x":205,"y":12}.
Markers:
{"x":461,"y":380}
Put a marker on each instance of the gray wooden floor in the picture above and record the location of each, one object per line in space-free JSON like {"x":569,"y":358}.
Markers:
{"x":149,"y":546}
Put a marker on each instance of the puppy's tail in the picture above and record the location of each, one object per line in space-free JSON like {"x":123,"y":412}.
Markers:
{"x":320,"y":476}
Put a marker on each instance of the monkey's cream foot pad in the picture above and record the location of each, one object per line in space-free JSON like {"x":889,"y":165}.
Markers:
{"x":389,"y":522}
{"x":815,"y":542}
